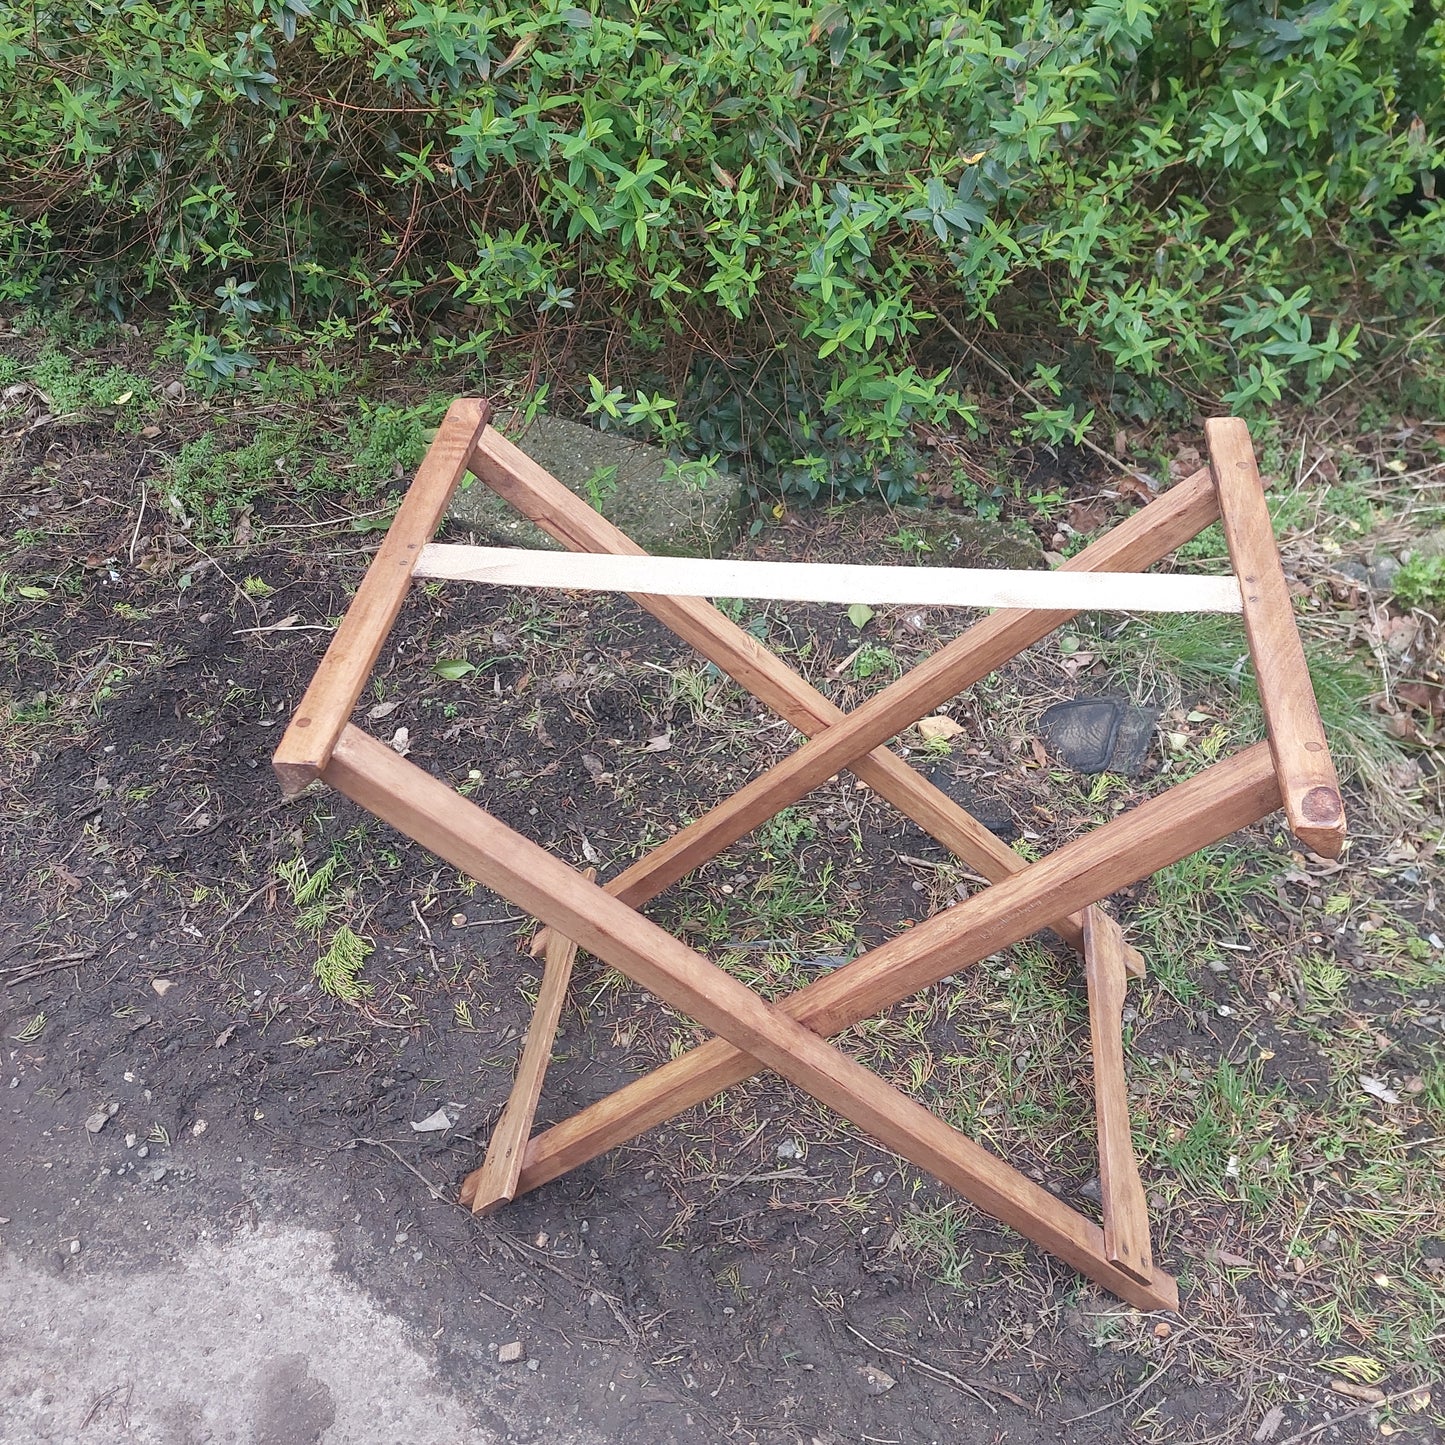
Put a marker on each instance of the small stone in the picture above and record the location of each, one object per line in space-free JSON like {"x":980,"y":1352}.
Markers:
{"x":99,"y":1119}
{"x":532,"y":1364}
{"x":878,"y":1177}
{"x":162,"y":985}
{"x":130,"y":1141}
{"x":198,"y":1128}
{"x":143,"y":1151}
{"x":75,"y":1246}
{"x":510,"y":1354}
{"x":790,"y":1149}
{"x":158,"y":1173}
{"x":1383,"y":570}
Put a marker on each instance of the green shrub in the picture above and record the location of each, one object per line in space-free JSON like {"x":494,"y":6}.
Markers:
{"x":797,"y":216}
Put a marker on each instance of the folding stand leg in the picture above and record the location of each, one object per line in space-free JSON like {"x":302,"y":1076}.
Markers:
{"x":495,"y":1183}
{"x":1209,"y":807}
{"x":768,"y":1036}
{"x":1126,"y":1213}
{"x":539,"y":496}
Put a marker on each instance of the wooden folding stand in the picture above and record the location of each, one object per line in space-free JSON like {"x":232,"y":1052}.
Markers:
{"x":1061,"y":891}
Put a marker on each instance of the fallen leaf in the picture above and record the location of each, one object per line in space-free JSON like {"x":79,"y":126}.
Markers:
{"x":162,"y":985}
{"x":1357,"y":1392}
{"x":660,"y":744}
{"x":1137,"y":484}
{"x":860,"y":614}
{"x":1088,"y":516}
{"x":434,"y":1123}
{"x":401,"y":741}
{"x":379,"y":710}
{"x":1269,"y":1425}
{"x":225,"y":1036}
{"x":1378,"y":1089}
{"x":933,"y":728}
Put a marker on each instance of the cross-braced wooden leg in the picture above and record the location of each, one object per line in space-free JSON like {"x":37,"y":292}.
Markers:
{"x":839,"y":741}
{"x":791,"y":1037}
{"x":470,"y":839}
{"x":1126,"y":1213}
{"x":495,"y":1183}
{"x":1209,"y":807}
{"x":1143,"y":539}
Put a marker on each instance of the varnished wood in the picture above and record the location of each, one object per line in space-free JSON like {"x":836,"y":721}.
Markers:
{"x":1311,"y":789}
{"x":486,"y":1189}
{"x":1153,"y":532}
{"x":829,"y":581}
{"x":790,"y":1037}
{"x":1126,"y":1211}
{"x":343,"y":672}
{"x":458,"y":831}
{"x":1209,"y":807}
{"x":1140,"y":541}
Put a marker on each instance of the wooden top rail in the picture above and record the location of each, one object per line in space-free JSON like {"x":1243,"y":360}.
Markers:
{"x":308,"y":742}
{"x":830,"y":582}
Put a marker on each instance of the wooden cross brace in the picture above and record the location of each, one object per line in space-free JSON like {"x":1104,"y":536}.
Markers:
{"x":1061,"y":891}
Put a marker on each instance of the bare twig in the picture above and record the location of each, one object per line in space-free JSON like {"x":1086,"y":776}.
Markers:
{"x":1314,"y":1430}
{"x":410,"y":1168}
{"x":25,"y":973}
{"x":969,"y":1387}
{"x":1019,"y":387}
{"x":255,"y":894}
{"x":1126,"y":1400}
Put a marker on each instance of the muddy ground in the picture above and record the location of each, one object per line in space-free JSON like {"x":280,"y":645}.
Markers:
{"x":743,"y":1274}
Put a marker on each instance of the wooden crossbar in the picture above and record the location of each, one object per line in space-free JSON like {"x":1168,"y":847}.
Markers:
{"x":470,"y":839}
{"x":829,"y":582}
{"x":541,"y":498}
{"x":1061,"y":890}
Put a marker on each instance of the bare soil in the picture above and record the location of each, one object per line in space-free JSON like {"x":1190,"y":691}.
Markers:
{"x":739,"y":1275}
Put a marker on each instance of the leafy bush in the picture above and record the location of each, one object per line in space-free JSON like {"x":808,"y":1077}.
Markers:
{"x":800,"y":218}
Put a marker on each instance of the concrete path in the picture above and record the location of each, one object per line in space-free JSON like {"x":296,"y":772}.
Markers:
{"x":256,"y":1341}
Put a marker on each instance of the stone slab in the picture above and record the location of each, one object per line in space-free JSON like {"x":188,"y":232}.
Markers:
{"x":660,"y":512}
